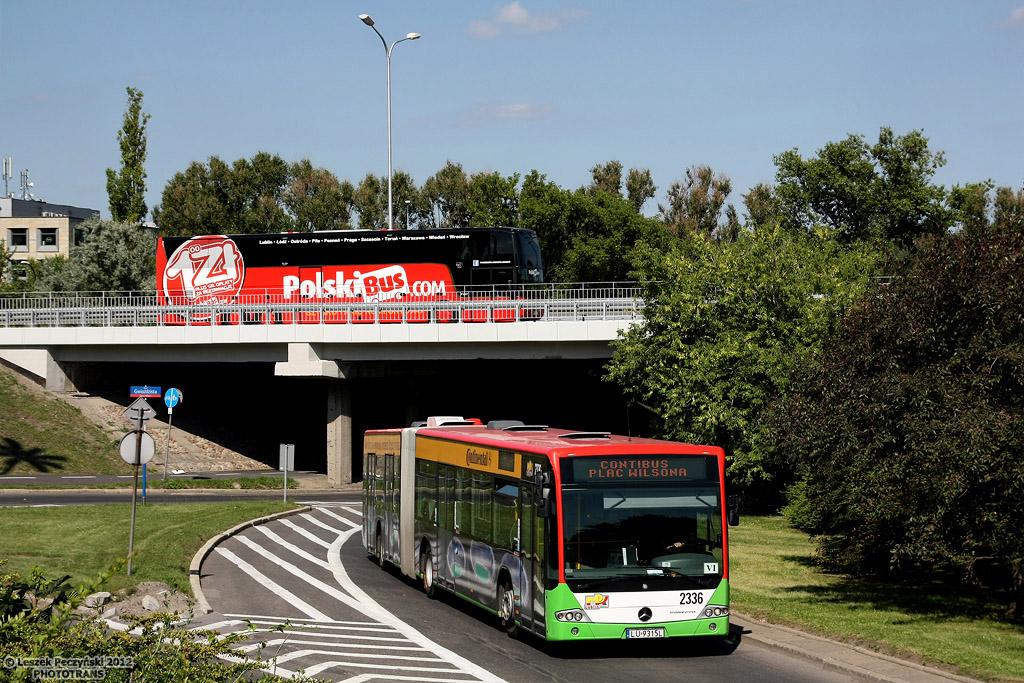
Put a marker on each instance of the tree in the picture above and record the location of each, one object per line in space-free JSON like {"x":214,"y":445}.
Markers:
{"x":725,"y":324}
{"x":695,"y":203}
{"x":112,"y":257}
{"x":907,"y":432}
{"x":447,"y":193}
{"x":494,"y":199}
{"x":259,"y":195}
{"x":126,"y":189}
{"x":639,"y":188}
{"x":316,"y":199}
{"x":370,"y":200}
{"x":584,"y":237}
{"x":861,"y":190}
{"x":606,"y":178}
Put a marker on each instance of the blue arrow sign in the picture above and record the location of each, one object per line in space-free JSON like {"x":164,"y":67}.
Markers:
{"x":172,"y":397}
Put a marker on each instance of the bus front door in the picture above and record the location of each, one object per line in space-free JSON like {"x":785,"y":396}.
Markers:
{"x":532,"y":602}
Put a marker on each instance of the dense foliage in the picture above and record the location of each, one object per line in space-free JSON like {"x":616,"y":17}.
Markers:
{"x":907,"y":434}
{"x":725,"y":325}
{"x":39,"y":622}
{"x":112,"y":257}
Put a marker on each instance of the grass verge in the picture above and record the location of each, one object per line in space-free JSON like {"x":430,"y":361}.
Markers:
{"x":238,"y":483}
{"x":85,"y":540}
{"x":773,"y":576}
{"x":31,"y":444}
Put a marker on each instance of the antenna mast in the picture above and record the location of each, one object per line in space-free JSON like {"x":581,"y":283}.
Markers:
{"x":8,"y":174}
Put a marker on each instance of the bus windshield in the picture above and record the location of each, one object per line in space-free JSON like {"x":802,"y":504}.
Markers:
{"x":635,"y":531}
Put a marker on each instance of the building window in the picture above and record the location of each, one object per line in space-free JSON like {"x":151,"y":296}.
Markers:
{"x":79,"y":236}
{"x":17,"y":239}
{"x":47,"y":240}
{"x":19,"y":270}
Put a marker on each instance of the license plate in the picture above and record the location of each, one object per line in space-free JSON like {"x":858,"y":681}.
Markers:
{"x":645,"y":633}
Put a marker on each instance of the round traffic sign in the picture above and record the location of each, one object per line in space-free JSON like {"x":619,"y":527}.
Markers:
{"x":172,"y":397}
{"x":128,"y":445}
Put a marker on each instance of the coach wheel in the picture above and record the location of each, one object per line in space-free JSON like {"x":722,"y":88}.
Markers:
{"x":507,"y":607}
{"x":379,"y":548}
{"x":427,"y":565}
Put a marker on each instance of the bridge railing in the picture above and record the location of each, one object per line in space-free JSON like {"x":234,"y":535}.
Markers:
{"x":471,"y":304}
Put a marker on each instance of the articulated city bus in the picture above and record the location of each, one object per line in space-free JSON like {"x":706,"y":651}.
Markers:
{"x":568,"y":535}
{"x":282,"y":272}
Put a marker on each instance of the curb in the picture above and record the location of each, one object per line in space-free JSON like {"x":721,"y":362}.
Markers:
{"x":776,"y":636}
{"x":202,"y":606}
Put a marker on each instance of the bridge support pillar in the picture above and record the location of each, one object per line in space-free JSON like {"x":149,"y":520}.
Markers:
{"x":59,"y":376}
{"x":339,"y":432}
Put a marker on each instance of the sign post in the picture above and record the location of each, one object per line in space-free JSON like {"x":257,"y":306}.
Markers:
{"x":132,"y":451}
{"x":287,"y":463}
{"x":172,"y":398}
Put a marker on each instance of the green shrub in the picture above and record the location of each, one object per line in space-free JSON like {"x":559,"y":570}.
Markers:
{"x":907,"y":433}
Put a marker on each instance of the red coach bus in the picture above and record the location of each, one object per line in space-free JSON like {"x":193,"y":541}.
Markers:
{"x":275,"y":274}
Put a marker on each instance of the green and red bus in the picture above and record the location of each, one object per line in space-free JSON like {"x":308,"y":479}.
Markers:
{"x":567,"y":535}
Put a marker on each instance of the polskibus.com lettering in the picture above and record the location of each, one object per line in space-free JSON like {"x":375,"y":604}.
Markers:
{"x":636,"y":469}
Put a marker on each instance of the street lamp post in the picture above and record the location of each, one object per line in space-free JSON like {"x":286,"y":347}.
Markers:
{"x":368,"y":20}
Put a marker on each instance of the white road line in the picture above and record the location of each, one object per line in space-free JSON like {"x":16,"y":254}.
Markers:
{"x":318,"y":623}
{"x":291,"y":546}
{"x":305,"y":532}
{"x":79,"y":476}
{"x":274,"y":588}
{"x":13,"y":477}
{"x":372,"y":609}
{"x":295,"y":572}
{"x":321,"y":524}
{"x":343,"y":520}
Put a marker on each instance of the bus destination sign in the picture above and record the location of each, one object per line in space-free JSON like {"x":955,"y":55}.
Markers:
{"x":653,"y":468}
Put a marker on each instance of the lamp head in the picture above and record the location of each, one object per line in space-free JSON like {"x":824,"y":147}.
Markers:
{"x":366,"y":19}
{"x":412,"y":36}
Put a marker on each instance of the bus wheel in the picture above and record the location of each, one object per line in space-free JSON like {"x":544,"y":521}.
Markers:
{"x":427,"y":565}
{"x":379,"y":547}
{"x":507,"y":608}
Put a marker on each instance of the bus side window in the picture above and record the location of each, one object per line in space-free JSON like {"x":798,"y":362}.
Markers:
{"x":506,"y":516}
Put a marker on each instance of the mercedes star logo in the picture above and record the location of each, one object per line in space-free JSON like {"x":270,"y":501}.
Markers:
{"x":645,"y":614}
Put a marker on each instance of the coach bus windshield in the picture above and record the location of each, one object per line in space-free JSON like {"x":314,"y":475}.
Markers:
{"x":654,"y":519}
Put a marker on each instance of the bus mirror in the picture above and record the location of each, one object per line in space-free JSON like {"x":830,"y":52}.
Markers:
{"x":544,"y":505}
{"x":732,"y":511}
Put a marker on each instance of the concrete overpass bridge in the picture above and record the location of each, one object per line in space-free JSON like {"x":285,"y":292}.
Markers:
{"x":64,"y":340}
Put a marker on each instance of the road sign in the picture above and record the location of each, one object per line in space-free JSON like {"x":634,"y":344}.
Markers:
{"x":145,"y":392}
{"x":140,"y":405}
{"x":172,"y":398}
{"x":129,"y":443}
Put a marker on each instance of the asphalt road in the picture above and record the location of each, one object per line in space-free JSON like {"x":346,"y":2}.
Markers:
{"x":350,"y":620}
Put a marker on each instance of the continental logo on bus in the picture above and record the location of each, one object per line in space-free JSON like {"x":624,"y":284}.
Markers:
{"x":382,"y":443}
{"x":475,"y":457}
{"x":468,"y":455}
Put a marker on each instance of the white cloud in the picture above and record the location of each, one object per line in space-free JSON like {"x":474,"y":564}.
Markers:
{"x":518,"y":19}
{"x":1016,"y":16}
{"x":487,"y":113}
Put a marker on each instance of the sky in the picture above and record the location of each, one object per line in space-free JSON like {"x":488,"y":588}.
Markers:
{"x":509,"y":87}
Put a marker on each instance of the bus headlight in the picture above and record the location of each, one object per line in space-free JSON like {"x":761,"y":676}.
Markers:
{"x":569,"y":615}
{"x":716,"y":611}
